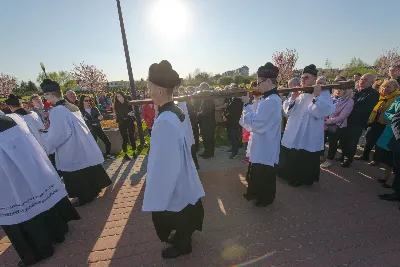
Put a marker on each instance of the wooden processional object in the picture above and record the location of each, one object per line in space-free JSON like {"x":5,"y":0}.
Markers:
{"x":238,"y":92}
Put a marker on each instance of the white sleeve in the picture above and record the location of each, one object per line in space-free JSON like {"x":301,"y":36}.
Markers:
{"x":60,"y":130}
{"x":165,"y":165}
{"x":267,"y":113}
{"x":323,"y":106}
{"x":288,"y":106}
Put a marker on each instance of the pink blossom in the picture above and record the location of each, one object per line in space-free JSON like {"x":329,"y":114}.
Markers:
{"x":7,"y":84}
{"x":88,"y":77}
{"x":285,"y":61}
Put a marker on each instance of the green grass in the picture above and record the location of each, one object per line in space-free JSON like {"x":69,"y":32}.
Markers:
{"x":219,"y":142}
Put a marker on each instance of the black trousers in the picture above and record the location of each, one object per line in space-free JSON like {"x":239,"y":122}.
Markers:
{"x":372,"y":136}
{"x":333,"y":139}
{"x":207,"y":132}
{"x":184,"y":222}
{"x":396,"y":169}
{"x":127,"y":131}
{"x":196,"y":135}
{"x":234,"y":138}
{"x":98,"y":132}
{"x":261,"y":183}
{"x":350,"y":143}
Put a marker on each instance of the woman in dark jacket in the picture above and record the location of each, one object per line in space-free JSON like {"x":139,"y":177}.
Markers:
{"x":125,"y":119}
{"x":92,"y":117}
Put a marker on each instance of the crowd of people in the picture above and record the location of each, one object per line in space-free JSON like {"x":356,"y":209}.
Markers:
{"x":284,"y":135}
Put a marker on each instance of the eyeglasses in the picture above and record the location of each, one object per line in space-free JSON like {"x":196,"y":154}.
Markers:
{"x":86,"y":100}
{"x":260,"y":82}
{"x":305,"y":77}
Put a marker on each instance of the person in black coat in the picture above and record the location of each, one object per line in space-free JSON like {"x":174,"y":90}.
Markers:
{"x":365,"y":100}
{"x":92,"y":117}
{"x":206,"y":118}
{"x":126,"y":122}
{"x":232,"y":115}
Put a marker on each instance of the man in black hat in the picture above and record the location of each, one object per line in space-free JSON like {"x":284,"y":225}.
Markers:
{"x":77,"y":155}
{"x":173,"y":189}
{"x":32,"y":119}
{"x":303,"y":139}
{"x":264,"y":123}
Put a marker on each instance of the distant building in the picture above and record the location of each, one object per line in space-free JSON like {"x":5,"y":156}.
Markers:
{"x":242,"y":70}
{"x":115,"y":84}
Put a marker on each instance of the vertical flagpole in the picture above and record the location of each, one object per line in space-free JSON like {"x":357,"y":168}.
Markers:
{"x":130,"y":74}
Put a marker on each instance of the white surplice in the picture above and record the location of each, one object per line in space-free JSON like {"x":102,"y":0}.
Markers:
{"x":305,"y":125}
{"x":70,"y":139}
{"x":264,"y":124}
{"x":189,"y":130}
{"x":34,"y":124}
{"x":29,"y":184}
{"x":172,"y":180}
{"x":254,"y":106}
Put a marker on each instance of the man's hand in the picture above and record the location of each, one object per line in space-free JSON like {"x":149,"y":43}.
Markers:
{"x":246,"y":98}
{"x":100,"y":118}
{"x":295,"y":95}
{"x":317,"y":90}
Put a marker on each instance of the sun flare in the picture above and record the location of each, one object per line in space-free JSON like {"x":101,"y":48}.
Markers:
{"x":169,"y":18}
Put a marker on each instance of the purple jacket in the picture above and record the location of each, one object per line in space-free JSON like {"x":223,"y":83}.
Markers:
{"x":342,"y":111}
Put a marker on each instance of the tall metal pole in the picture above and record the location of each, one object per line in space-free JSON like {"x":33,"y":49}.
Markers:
{"x":130,"y":74}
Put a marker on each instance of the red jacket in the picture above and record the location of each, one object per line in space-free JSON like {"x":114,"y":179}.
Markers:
{"x":148,"y":114}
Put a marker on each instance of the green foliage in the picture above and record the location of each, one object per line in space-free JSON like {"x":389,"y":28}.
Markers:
{"x":356,"y":65}
{"x":26,"y":89}
{"x":239,"y":79}
{"x":63,"y":78}
{"x":225,"y":80}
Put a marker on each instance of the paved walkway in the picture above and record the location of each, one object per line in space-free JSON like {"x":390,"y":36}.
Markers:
{"x":338,"y":222}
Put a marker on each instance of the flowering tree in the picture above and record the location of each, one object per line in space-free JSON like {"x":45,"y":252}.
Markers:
{"x":89,"y":77}
{"x":386,"y":60}
{"x":285,"y":61}
{"x":7,"y":84}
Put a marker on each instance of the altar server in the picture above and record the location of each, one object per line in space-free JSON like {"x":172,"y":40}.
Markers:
{"x":173,"y":188}
{"x":303,"y":139}
{"x":32,"y":119}
{"x":34,"y":208}
{"x":264,"y":124}
{"x":77,"y":154}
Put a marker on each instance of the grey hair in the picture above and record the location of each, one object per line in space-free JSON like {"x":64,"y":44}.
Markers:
{"x":294,"y":80}
{"x":204,"y":86}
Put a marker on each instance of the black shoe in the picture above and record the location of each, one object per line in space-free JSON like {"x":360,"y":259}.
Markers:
{"x":173,"y":252}
{"x":126,"y":157}
{"x":295,"y":184}
{"x":346,"y":163}
{"x":382,"y":181}
{"x":234,"y":156}
{"x":390,"y":197}
{"x":249,"y":197}
{"x":108,"y":156}
{"x":362,"y":157}
{"x":261,"y":204}
{"x":341,"y":159}
{"x":385,"y":185}
{"x":206,"y":156}
{"x":229,"y":150}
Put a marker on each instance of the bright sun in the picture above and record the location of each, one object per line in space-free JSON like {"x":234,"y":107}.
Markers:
{"x":169,"y":17}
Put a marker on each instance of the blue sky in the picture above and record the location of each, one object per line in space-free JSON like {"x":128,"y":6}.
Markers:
{"x":220,"y":34}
